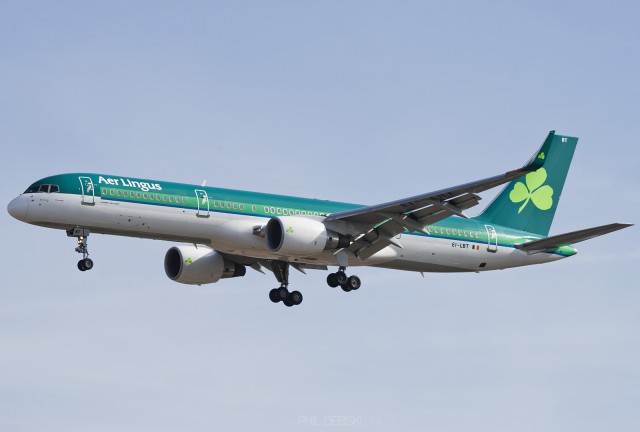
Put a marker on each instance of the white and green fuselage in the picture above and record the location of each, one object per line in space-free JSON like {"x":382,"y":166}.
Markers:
{"x":228,"y":221}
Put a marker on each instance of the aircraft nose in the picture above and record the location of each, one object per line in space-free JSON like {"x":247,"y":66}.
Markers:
{"x":18,"y":207}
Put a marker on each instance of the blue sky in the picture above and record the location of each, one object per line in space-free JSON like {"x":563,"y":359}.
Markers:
{"x":355,"y":101}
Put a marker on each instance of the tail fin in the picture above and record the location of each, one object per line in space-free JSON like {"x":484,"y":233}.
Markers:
{"x":529,"y":203}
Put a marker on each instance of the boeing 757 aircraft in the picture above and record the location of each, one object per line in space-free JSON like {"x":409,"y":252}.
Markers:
{"x":225,"y":231}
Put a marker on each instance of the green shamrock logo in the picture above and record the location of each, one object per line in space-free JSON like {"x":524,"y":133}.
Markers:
{"x":188,"y":261}
{"x":541,"y":155}
{"x":542,"y":196}
{"x":290,"y":230}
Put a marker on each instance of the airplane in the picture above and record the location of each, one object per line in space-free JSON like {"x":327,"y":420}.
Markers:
{"x":225,"y":231}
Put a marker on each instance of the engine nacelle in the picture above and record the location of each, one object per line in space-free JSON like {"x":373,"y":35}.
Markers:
{"x":199,"y":265}
{"x":298,"y":236}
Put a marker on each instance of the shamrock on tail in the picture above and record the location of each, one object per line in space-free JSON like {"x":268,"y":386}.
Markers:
{"x":542,"y":196}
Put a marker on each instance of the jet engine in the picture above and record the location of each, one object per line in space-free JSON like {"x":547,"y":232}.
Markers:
{"x":298,"y":236}
{"x":197,"y":265}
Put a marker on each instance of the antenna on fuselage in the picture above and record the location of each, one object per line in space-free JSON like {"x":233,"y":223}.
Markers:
{"x":204,"y":183}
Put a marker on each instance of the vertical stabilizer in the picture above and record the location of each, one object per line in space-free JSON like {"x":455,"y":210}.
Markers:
{"x":529,"y":203}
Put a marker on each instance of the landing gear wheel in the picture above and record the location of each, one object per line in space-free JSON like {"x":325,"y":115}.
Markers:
{"x":281,"y":271}
{"x":283,"y":293}
{"x":81,"y":234}
{"x":332,"y":280}
{"x":353,"y":283}
{"x":288,"y":302}
{"x":341,"y":277}
{"x":274,"y":296}
{"x":296,"y":297}
{"x":345,"y":287}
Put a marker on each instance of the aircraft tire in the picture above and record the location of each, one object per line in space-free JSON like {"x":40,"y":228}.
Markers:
{"x":332,"y":280}
{"x":342,"y":277}
{"x":354,"y":282}
{"x":274,"y":296}
{"x":288,"y":302}
{"x":283,"y":293}
{"x":296,"y":297}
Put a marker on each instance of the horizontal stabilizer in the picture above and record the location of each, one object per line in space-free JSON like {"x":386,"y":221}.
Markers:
{"x":557,"y":241}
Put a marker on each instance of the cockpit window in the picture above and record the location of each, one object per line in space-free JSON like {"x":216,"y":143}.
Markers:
{"x":45,"y":188}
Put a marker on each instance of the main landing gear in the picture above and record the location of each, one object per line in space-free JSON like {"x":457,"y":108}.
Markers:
{"x":282,"y":294}
{"x":293,"y":298}
{"x":340,"y":278}
{"x":81,"y":234}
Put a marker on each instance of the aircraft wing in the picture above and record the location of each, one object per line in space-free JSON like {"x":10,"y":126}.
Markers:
{"x":554,"y":242}
{"x":385,"y":221}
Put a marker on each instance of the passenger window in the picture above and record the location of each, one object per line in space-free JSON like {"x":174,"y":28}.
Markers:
{"x":448,"y":231}
{"x":297,"y":212}
{"x":164,"y":198}
{"x":279,"y":211}
{"x":44,"y":188}
{"x":170,"y":198}
{"x":184,"y":200}
{"x":54,"y":188}
{"x":477,"y":234}
{"x":235,"y":205}
{"x":466,"y":234}
{"x":253,"y":208}
{"x":157,"y":197}
{"x":241,"y":206}
{"x":304,"y":213}
{"x":119,"y":193}
{"x":151,"y":197}
{"x":145,"y":196}
{"x":112,"y":192}
{"x":273,"y":210}
{"x":104,"y":191}
{"x":286,"y":212}
{"x":266,"y":209}
{"x":138,"y":194}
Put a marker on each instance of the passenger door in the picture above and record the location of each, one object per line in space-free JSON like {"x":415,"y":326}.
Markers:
{"x":88,"y":190}
{"x":203,"y":203}
{"x":492,"y":244}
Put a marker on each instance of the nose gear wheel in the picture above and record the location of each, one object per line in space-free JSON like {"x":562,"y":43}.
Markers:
{"x":82,"y":234}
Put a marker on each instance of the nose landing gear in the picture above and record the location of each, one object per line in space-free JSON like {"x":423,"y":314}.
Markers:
{"x":81,"y":234}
